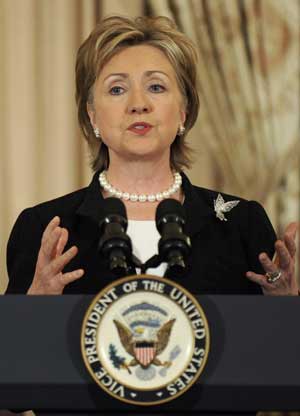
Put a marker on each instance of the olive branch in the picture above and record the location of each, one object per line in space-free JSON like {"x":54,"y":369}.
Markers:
{"x":117,"y":361}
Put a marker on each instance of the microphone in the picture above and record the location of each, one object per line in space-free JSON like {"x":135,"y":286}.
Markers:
{"x":174,"y":246}
{"x":115,"y":244}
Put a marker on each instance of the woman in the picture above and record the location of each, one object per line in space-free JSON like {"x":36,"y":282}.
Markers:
{"x":137,"y":99}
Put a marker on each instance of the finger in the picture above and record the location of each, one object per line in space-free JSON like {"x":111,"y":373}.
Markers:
{"x":257,"y":278}
{"x":63,"y":239}
{"x":266,"y":263}
{"x":283,"y":255}
{"x":57,"y":265}
{"x":47,"y":249}
{"x":50,"y":227}
{"x":49,"y":245}
{"x":275,"y":260}
{"x":290,"y":245}
{"x":69,"y":277}
{"x":292,"y":229}
{"x":289,"y":238}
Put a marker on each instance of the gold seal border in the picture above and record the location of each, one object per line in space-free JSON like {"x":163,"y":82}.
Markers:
{"x":162,"y":280}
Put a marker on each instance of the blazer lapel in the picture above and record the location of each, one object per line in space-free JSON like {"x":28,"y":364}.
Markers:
{"x":199,"y":212}
{"x":199,"y":209}
{"x":92,"y":205}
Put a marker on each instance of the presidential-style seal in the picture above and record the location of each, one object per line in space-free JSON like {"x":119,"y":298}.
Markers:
{"x":145,"y":339}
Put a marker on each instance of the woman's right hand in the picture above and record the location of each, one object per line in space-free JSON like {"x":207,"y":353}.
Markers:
{"x":48,"y":277}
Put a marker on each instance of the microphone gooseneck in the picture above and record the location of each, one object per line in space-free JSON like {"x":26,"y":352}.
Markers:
{"x":115,"y":244}
{"x":174,"y":246}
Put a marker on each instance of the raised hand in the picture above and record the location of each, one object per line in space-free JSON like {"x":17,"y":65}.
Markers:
{"x":280,"y":276}
{"x":49,"y":278}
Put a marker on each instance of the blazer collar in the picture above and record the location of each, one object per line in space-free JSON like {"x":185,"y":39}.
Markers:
{"x":92,"y":205}
{"x":197,"y":204}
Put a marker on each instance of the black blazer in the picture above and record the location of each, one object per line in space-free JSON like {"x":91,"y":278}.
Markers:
{"x":222,"y":251}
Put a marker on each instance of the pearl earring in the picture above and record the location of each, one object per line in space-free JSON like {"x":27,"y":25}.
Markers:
{"x":181,"y":130}
{"x":97,"y":132}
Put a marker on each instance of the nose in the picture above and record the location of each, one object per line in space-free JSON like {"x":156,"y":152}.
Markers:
{"x":138,"y":103}
{"x":139,"y":110}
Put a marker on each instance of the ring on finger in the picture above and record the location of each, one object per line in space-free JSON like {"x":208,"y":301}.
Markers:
{"x":272,"y":277}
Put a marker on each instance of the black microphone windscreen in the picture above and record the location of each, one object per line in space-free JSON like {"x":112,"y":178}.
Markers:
{"x":167,"y":207}
{"x":114,"y":206}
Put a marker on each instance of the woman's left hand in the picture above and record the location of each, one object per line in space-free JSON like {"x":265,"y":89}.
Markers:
{"x":283,"y":265}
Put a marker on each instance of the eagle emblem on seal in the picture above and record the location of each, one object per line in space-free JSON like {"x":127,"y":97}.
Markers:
{"x":144,"y":336}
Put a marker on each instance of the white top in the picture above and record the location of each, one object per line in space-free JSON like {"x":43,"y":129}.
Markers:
{"x":144,"y":237}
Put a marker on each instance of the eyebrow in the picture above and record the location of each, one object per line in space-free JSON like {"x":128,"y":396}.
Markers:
{"x":125,"y":75}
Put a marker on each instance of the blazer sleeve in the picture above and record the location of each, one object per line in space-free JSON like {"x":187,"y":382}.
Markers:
{"x":259,"y":236}
{"x":22,"y":251}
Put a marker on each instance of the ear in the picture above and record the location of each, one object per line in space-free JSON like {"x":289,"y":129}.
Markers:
{"x":182,"y":116}
{"x":92,"y":114}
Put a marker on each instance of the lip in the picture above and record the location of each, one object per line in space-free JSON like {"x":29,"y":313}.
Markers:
{"x":140,"y":132}
{"x":139,"y":123}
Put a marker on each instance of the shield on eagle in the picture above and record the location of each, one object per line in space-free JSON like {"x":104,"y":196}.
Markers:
{"x":144,"y":352}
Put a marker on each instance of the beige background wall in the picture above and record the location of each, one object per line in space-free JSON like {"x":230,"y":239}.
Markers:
{"x":247,"y":136}
{"x":246,"y":139}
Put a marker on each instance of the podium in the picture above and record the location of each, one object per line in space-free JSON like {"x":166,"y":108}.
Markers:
{"x":253,"y":363}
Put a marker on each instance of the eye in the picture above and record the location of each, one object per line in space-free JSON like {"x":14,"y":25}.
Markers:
{"x":157,"y":88}
{"x":116,"y":90}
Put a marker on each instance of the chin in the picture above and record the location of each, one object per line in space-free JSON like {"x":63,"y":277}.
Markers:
{"x":146,"y":155}
{"x":140,"y":148}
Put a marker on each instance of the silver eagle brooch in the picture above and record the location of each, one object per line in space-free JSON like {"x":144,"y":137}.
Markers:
{"x":221,"y":207}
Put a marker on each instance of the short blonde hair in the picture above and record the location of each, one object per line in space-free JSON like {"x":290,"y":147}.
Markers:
{"x":115,"y":33}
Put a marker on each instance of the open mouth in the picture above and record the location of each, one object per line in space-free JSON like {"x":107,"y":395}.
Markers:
{"x":140,"y":130}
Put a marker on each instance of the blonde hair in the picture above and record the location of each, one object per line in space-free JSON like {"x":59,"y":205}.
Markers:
{"x":115,"y":33}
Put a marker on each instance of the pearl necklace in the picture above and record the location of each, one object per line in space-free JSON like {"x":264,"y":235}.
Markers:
{"x":142,"y":197}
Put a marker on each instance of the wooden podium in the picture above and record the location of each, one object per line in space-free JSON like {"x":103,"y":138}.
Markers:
{"x":253,"y":364}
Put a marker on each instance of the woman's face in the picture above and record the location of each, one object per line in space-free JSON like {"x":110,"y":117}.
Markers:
{"x":138,"y":85}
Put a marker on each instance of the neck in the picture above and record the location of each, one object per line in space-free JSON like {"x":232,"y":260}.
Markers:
{"x":140,"y":177}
